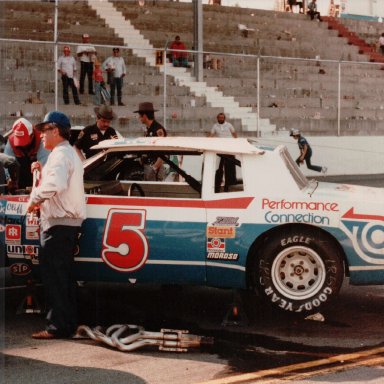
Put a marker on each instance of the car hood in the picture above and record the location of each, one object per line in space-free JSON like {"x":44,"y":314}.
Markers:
{"x":349,"y":193}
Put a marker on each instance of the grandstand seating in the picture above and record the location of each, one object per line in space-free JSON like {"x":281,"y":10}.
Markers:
{"x":293,"y":93}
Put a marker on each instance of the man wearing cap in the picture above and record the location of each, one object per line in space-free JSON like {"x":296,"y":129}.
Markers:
{"x":87,"y":55}
{"x":25,"y":144}
{"x":115,"y":67}
{"x":93,"y":134}
{"x":305,"y":151}
{"x":153,"y":166}
{"x":66,"y":65}
{"x":61,"y":201}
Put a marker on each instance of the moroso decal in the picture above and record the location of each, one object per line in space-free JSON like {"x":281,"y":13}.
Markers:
{"x":367,"y":235}
{"x":13,"y":234}
{"x":222,"y":256}
{"x":224,"y":232}
{"x":216,"y":244}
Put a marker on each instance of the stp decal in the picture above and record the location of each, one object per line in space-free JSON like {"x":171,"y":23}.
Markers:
{"x":367,"y":235}
{"x":125,"y":247}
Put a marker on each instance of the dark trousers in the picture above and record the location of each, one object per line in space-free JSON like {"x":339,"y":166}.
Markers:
{"x":57,"y":274}
{"x":86,"y":69}
{"x":227,"y":168}
{"x":307,"y":159}
{"x":116,"y":85}
{"x":69,"y":83}
{"x":314,"y":14}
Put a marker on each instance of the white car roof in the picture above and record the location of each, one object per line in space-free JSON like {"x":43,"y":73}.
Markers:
{"x":200,"y":144}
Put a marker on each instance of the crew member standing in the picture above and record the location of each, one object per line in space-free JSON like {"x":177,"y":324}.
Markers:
{"x":153,"y":166}
{"x":93,"y":134}
{"x":61,"y":200}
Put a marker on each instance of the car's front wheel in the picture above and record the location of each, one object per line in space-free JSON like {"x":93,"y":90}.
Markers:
{"x":299,"y":270}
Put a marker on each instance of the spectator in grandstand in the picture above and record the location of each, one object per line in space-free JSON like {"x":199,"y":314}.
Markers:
{"x":115,"y":67}
{"x":381,"y":43}
{"x":99,"y":83}
{"x":87,"y":56}
{"x":93,"y":134}
{"x":179,"y":59}
{"x":66,"y":65}
{"x":305,"y":152}
{"x":25,"y":144}
{"x":312,"y":10}
{"x":227,"y":166}
{"x":153,"y":166}
{"x":291,"y":3}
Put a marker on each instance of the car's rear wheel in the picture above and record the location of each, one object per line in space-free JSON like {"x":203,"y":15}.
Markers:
{"x":299,"y":270}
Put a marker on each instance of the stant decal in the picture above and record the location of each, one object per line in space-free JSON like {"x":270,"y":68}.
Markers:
{"x":224,"y":232}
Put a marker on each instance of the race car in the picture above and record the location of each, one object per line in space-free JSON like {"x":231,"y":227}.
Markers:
{"x":230,"y":214}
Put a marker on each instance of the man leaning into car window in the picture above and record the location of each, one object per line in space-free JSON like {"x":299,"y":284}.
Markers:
{"x":153,"y":166}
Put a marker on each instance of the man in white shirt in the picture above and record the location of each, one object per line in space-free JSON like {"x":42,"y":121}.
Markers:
{"x":222,"y":128}
{"x":226,"y":166}
{"x":87,"y":55}
{"x":115,"y":67}
{"x":66,"y":65}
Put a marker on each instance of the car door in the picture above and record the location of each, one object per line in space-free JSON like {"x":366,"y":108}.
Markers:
{"x":144,"y":238}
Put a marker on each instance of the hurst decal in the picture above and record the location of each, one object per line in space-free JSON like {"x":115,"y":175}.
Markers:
{"x":226,"y":221}
{"x":367,"y":235}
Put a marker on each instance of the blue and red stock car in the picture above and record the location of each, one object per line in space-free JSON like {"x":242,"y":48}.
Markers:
{"x":229,"y":214}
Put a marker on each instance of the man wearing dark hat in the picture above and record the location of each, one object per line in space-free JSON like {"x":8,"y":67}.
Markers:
{"x":60,"y":198}
{"x":93,"y":134}
{"x":153,"y":166}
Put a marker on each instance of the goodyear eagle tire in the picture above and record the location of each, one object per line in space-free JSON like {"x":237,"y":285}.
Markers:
{"x":299,"y":271}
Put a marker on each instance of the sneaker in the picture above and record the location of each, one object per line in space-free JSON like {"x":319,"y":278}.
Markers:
{"x":121,"y":104}
{"x":324,"y":169}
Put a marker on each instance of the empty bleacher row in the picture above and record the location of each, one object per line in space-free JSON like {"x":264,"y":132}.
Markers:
{"x":293,"y":93}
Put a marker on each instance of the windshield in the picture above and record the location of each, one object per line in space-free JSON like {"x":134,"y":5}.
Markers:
{"x":297,"y":175}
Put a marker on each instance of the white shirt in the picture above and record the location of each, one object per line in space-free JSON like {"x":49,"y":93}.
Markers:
{"x":61,"y":191}
{"x":86,"y":53}
{"x":117,"y":64}
{"x":223,"y":130}
{"x":67,"y":65}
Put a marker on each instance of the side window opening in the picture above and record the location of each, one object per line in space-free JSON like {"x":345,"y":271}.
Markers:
{"x":228,"y":176}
